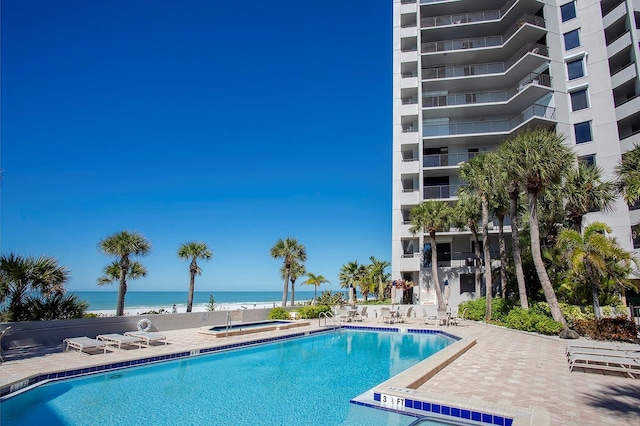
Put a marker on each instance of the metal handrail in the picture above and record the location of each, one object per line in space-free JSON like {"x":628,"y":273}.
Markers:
{"x":328,"y":315}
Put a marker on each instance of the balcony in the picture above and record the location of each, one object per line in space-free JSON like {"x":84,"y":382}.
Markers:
{"x":495,"y":102}
{"x":489,"y":75}
{"x":483,"y":126}
{"x":480,"y":16}
{"x":439,"y":192}
{"x":480,"y":42}
{"x":446,"y":160}
{"x":410,"y":166}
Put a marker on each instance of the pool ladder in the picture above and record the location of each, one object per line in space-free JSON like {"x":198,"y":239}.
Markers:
{"x":328,"y":316}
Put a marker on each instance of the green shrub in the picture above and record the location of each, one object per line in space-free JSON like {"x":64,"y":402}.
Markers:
{"x":548,"y":326}
{"x":309,"y":312}
{"x":475,"y":309}
{"x":519,"y":319}
{"x":279,"y":314}
{"x":331,"y":299}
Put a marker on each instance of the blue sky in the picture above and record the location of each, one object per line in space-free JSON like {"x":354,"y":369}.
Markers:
{"x":232,"y":123}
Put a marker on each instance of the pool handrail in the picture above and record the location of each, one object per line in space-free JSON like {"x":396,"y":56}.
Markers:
{"x":328,"y":315}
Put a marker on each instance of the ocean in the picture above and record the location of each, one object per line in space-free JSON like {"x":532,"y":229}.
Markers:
{"x":106,"y":300}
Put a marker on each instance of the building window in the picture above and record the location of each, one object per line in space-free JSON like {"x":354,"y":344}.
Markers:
{"x":571,"y":40}
{"x":583,"y":132}
{"x":588,"y":160}
{"x":635,"y":233}
{"x":575,"y":69}
{"x":579,"y":100}
{"x":568,"y":11}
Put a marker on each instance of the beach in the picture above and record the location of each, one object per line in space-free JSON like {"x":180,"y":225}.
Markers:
{"x":103,"y":303}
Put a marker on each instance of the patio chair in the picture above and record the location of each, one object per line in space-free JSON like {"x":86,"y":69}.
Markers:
{"x":84,"y":343}
{"x":362,"y":314}
{"x":147,"y":337}
{"x":386,"y":316}
{"x":115,"y":339}
{"x":342,"y":314}
{"x":405,"y":316}
{"x":1,"y":336}
{"x":627,"y":365}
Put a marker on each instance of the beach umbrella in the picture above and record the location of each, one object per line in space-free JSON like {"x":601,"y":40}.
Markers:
{"x":399,"y":294}
{"x":352,"y":295}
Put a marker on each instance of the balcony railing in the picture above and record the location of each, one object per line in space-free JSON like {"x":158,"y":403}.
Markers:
{"x":409,"y":74}
{"x":464,"y":18}
{"x":409,"y":49}
{"x":485,"y":97}
{"x":409,"y":101}
{"x":444,"y":160}
{"x":410,"y":129}
{"x":440,"y":191}
{"x":477,"y":42}
{"x":488,"y":126}
{"x":483,"y":69}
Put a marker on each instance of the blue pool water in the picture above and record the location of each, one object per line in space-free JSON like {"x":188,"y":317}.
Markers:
{"x":308,"y":380}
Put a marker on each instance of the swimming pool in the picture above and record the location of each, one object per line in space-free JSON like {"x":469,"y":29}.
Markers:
{"x":309,"y":380}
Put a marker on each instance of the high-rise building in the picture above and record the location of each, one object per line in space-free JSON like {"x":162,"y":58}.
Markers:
{"x":469,"y":74}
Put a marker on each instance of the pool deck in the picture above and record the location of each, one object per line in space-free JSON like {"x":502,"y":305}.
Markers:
{"x":505,"y":368}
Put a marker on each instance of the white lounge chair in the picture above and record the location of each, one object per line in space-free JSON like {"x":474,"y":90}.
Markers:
{"x":361,"y":315}
{"x":83,"y":344}
{"x":404,"y":317}
{"x":115,"y":339}
{"x":147,"y":337}
{"x":612,"y":363}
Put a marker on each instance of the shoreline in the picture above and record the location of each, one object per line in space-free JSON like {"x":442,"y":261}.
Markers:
{"x":181,"y":309}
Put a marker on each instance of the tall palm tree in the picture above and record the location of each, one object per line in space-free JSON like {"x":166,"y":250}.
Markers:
{"x":628,"y":171}
{"x":297,"y":270}
{"x":193,"y":250}
{"x":348,"y":273}
{"x":289,"y":250}
{"x":499,"y":205}
{"x":124,"y":245}
{"x":468,"y":214}
{"x":593,"y":256}
{"x":21,"y":277}
{"x":315,"y":281}
{"x":539,"y":158}
{"x":362,"y":280}
{"x":584,"y":190}
{"x":378,"y":275}
{"x":513,"y":187}
{"x":478,"y":172}
{"x":431,"y":217}
{"x":112,"y":272}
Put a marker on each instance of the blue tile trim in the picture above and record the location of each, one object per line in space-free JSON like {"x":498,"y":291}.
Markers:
{"x":443,"y":410}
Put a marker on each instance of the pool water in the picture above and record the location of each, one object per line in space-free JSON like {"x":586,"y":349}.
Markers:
{"x":308,"y":380}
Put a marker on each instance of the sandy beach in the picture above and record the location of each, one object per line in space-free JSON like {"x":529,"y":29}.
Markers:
{"x":180,"y":309}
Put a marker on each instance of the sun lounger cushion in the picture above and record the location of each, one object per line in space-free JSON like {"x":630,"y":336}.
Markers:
{"x":83,"y":343}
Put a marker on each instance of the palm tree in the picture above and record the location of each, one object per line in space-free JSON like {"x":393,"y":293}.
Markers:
{"x":193,"y":250}
{"x":499,"y":205}
{"x":584,"y":190}
{"x":315,"y":281}
{"x":432,"y":216}
{"x":21,"y":277}
{"x":478,"y":172}
{"x":297,"y":270}
{"x":378,"y":275}
{"x":348,"y":273}
{"x":628,"y":171}
{"x":539,"y":158}
{"x":593,"y":257}
{"x":112,"y":272}
{"x":289,"y":250}
{"x":468,"y":214}
{"x":362,"y":280}
{"x":124,"y":245}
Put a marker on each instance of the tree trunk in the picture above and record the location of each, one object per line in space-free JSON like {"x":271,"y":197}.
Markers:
{"x":596,"y":301}
{"x":122,"y":289}
{"x":315,"y":287}
{"x":285,"y":289}
{"x":515,"y":249}
{"x":434,"y":271}
{"x":549,"y":293}
{"x":476,"y":260}
{"x":487,"y":255}
{"x":192,"y":279}
{"x":293,"y":292}
{"x":503,"y":257}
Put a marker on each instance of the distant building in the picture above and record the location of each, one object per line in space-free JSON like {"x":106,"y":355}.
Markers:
{"x":469,"y":74}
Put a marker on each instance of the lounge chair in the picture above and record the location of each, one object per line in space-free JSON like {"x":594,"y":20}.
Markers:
{"x":115,"y":339}
{"x":606,"y":363}
{"x":83,"y":344}
{"x":147,"y":337}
